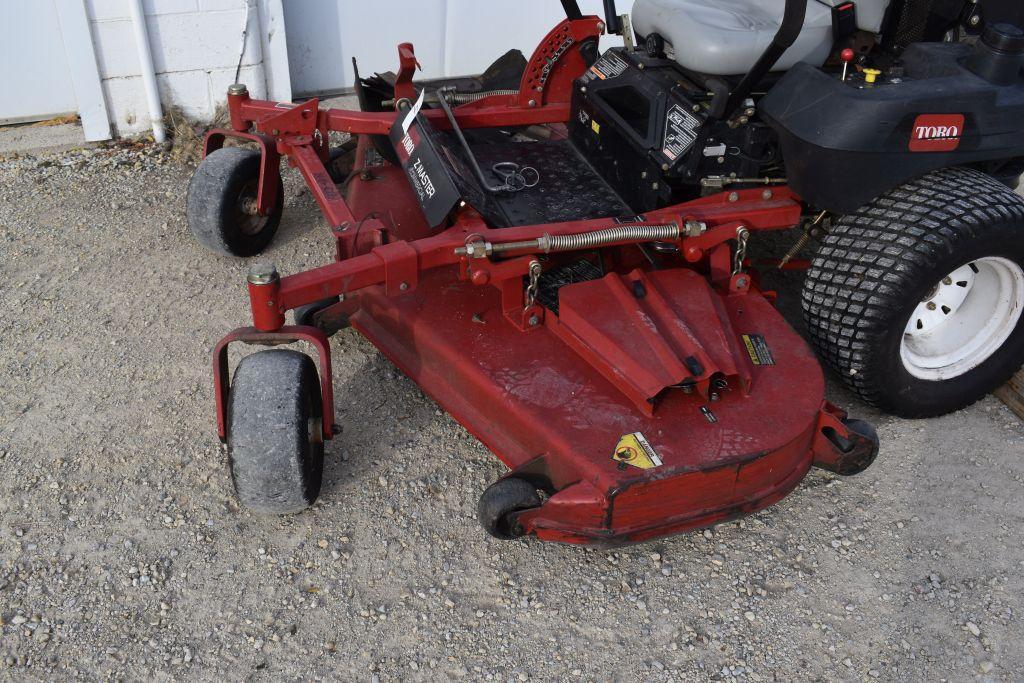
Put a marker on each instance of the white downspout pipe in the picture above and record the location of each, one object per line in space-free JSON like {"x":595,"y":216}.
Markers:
{"x":156,"y":112}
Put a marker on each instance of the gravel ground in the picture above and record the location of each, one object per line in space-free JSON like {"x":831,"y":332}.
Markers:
{"x":123,"y":554}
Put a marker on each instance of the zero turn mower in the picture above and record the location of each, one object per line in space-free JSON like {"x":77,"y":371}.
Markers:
{"x":556,"y":252}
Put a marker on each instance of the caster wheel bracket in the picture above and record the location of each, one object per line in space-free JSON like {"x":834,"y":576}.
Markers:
{"x":842,"y":445}
{"x":286,"y":335}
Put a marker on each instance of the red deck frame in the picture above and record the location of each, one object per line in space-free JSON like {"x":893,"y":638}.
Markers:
{"x":389,"y":257}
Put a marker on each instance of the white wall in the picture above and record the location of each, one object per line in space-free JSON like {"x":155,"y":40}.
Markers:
{"x":196,"y":45}
{"x":452,"y":37}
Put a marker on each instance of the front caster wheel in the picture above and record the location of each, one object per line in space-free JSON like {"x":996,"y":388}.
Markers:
{"x":221,"y":204}
{"x":500,"y":504}
{"x":856,"y":451}
{"x":916,"y":299}
{"x":311,"y":315}
{"x":275,"y":432}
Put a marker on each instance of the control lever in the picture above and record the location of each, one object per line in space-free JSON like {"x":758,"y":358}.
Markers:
{"x":847,"y":56}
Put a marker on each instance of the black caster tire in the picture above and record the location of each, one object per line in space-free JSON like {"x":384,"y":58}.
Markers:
{"x":499,"y":504}
{"x":916,"y":298}
{"x":309,"y":315}
{"x":860,"y":451}
{"x":221,"y":204}
{"x":275,"y":433}
{"x":342,"y":161}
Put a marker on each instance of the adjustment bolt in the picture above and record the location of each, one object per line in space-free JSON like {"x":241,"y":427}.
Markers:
{"x":262,"y":273}
{"x":695,"y":228}
{"x":238,"y":89}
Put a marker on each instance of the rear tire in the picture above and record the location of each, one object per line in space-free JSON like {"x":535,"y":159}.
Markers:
{"x":275,"y":433}
{"x":916,"y":298}
{"x":221,"y":204}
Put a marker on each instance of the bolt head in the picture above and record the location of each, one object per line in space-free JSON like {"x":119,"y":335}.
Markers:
{"x":767,"y":194}
{"x":532,"y":103}
{"x":534,"y":321}
{"x":734,"y":196}
{"x":404,"y":286}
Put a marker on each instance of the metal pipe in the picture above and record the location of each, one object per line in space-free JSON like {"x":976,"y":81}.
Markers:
{"x":156,"y":112}
{"x":793,"y":19}
{"x":572,"y":9}
{"x":611,"y":18}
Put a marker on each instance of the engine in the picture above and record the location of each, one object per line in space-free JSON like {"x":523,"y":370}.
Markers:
{"x":655,"y":136}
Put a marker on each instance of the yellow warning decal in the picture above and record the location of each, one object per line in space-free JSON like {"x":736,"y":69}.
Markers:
{"x":634,"y":450}
{"x":758,"y":350}
{"x":596,"y":127}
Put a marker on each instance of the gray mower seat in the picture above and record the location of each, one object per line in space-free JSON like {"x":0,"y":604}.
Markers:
{"x":726,"y":37}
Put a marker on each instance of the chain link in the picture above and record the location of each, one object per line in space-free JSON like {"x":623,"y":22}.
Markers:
{"x":742,"y":238}
{"x":531,"y":289}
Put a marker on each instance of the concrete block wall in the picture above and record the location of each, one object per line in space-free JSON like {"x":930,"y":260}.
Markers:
{"x":197,"y":47}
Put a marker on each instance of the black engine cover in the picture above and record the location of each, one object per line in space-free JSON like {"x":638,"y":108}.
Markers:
{"x":846,"y":143}
{"x":636,"y":120}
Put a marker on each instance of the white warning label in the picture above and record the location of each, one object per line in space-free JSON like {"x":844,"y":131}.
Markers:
{"x":681,"y":129}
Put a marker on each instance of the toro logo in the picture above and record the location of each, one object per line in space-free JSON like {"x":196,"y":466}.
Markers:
{"x":937,"y":133}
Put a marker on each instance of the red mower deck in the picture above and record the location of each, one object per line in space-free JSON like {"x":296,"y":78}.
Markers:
{"x":547,"y":412}
{"x":657,"y":394}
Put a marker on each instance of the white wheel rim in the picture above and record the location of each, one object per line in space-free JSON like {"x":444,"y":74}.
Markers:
{"x":966,"y":318}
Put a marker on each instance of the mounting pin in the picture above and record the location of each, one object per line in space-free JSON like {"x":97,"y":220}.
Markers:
{"x":262,"y":273}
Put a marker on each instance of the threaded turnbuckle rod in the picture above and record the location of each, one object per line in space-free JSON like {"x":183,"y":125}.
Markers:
{"x":549,"y":244}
